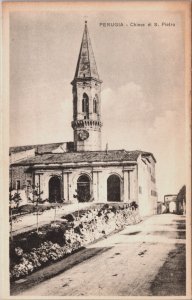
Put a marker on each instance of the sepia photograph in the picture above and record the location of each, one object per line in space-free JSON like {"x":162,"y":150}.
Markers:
{"x":96,"y":150}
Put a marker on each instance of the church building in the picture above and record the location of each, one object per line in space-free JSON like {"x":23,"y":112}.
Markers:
{"x":63,"y":170}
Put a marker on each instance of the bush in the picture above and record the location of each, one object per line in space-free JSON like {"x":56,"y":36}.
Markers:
{"x":69,"y":217}
{"x":56,"y":235}
{"x":37,"y":258}
{"x":33,"y":251}
{"x":134,"y":205}
{"x":33,"y":240}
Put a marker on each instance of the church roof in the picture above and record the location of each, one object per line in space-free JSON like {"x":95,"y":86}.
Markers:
{"x":147,"y":154}
{"x":86,"y":65}
{"x":86,"y":156}
{"x":40,"y":148}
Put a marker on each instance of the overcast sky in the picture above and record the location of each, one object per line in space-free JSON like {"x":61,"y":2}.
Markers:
{"x":142,"y":68}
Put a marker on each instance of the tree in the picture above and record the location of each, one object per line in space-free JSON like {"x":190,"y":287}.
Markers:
{"x":78,"y":197}
{"x":14,"y":201}
{"x":36,"y":199}
{"x":55,"y":208}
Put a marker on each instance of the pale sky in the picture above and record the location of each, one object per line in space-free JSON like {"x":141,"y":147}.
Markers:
{"x":142,"y":68}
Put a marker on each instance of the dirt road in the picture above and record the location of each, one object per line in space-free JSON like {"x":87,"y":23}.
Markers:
{"x":143,"y":260}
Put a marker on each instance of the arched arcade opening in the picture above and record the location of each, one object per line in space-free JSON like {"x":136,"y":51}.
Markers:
{"x":55,"y":189}
{"x":113,"y":188}
{"x":83,"y":188}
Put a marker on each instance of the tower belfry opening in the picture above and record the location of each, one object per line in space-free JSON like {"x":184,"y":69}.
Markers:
{"x":86,"y":84}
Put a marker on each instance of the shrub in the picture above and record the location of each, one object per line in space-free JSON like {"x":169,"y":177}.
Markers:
{"x":133,"y":205}
{"x":56,"y":235}
{"x":69,"y":217}
{"x":33,"y":240}
{"x":53,"y":243}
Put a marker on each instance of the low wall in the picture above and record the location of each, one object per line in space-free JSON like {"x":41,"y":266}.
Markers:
{"x":31,"y":251}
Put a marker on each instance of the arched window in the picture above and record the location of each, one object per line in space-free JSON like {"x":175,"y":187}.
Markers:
{"x":85,"y":103}
{"x":95,"y":104}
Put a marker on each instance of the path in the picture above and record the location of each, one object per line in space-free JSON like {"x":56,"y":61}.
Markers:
{"x":28,"y":222}
{"x":142,"y":260}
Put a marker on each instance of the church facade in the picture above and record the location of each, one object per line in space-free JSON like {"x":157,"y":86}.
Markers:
{"x":63,"y":171}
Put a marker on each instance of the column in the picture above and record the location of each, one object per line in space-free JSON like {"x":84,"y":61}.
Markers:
{"x":66,"y":185}
{"x":45,"y":185}
{"x":96,"y":195}
{"x":129,"y":186}
{"x":132,"y":186}
{"x":38,"y":180}
{"x":126,"y":186}
{"x":62,"y":189}
{"x":38,"y":186}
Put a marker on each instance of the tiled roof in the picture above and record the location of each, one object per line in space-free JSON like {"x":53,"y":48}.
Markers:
{"x":42,"y":148}
{"x":144,"y":153}
{"x":86,"y":156}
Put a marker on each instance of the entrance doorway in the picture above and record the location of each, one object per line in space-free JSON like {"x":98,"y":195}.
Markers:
{"x":113,"y":188}
{"x":83,"y":188}
{"x":55,"y":189}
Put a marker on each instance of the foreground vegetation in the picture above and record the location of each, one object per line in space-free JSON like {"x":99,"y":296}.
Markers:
{"x":33,"y":250}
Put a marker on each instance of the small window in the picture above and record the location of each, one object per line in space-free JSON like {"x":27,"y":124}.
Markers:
{"x":95,"y":104}
{"x":18,"y":185}
{"x":153,"y":179}
{"x":140,"y":190}
{"x":153,"y":193}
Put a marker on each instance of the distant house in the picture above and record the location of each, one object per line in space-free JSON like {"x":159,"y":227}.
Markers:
{"x":161,"y":208}
{"x":181,"y":201}
{"x":170,"y":203}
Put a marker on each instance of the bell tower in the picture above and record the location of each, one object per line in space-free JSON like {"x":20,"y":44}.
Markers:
{"x":86,"y":84}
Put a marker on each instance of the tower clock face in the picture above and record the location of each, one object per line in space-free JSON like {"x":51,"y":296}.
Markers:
{"x":83,"y":135}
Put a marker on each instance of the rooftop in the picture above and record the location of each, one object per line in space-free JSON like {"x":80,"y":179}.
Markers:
{"x":40,"y":148}
{"x":86,"y":156}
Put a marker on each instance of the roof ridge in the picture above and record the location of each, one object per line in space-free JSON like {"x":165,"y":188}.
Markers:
{"x":83,"y":157}
{"x":35,"y":145}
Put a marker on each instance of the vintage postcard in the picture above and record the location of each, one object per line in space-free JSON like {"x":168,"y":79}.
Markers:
{"x":96,"y":195}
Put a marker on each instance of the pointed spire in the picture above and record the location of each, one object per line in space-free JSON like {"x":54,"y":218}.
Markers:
{"x":86,"y":65}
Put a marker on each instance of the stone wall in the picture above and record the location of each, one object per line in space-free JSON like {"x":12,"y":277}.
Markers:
{"x":20,"y":173}
{"x":31,"y":251}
